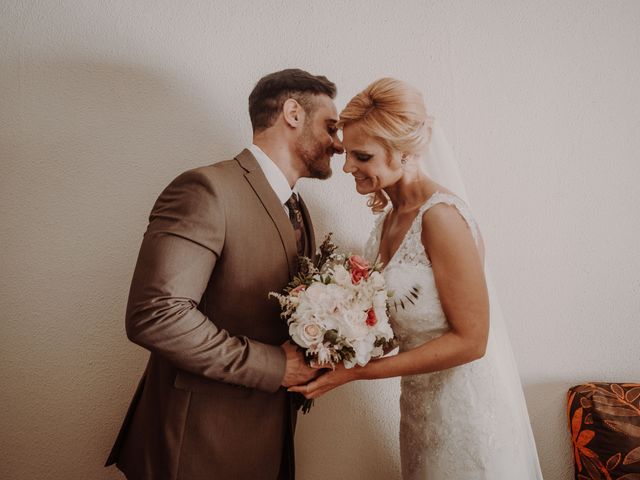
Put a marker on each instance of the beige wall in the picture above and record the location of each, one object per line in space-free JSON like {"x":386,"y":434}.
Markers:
{"x":103,"y":103}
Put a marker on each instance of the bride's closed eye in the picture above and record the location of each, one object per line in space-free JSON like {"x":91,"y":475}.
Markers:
{"x":362,"y":157}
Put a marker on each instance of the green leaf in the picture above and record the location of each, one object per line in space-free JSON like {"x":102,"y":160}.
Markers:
{"x":331,"y":336}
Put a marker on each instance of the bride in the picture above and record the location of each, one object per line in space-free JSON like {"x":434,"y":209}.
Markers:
{"x":463,"y":414}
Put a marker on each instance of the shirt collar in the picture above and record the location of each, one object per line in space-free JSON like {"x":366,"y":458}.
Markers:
{"x":275,"y":176}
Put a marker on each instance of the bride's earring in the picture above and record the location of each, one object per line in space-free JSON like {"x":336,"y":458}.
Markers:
{"x":403,"y":159}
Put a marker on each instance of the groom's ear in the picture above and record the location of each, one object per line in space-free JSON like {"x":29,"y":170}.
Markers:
{"x":293,"y":113}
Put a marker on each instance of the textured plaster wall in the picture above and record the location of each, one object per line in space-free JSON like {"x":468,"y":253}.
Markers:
{"x":104,"y":102}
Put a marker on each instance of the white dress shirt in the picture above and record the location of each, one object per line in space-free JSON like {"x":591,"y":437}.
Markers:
{"x":275,"y":176}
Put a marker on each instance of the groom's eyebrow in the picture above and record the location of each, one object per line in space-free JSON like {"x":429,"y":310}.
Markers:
{"x":331,"y":123}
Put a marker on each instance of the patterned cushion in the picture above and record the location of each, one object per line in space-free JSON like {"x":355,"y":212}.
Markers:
{"x":604,"y":420}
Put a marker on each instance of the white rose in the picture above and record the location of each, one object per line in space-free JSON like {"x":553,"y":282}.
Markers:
{"x":324,"y":299}
{"x":306,"y":334}
{"x":352,"y":323}
{"x":337,"y":295}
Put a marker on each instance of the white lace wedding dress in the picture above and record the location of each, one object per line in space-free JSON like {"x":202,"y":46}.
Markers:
{"x":468,"y":422}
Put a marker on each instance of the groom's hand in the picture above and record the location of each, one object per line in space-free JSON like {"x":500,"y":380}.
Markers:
{"x":327,"y":382}
{"x":296,"y":371}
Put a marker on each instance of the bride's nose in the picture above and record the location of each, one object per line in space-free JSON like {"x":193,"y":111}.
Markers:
{"x":348,"y":166}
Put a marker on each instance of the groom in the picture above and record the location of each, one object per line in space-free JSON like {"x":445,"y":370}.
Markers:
{"x":212,"y":403}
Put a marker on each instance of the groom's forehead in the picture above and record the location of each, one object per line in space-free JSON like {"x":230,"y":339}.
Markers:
{"x":326,"y":108}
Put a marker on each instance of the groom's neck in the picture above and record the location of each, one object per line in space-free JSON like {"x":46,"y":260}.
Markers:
{"x":279,"y":152}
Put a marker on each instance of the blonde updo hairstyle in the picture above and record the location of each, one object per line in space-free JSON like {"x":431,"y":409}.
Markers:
{"x":393,"y":113}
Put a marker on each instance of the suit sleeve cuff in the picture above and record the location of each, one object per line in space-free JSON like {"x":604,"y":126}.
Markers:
{"x":271,"y":360}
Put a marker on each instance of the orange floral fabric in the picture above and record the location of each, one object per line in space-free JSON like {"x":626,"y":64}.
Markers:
{"x":604,"y":421}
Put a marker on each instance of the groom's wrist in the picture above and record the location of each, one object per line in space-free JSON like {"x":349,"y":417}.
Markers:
{"x":269,"y":366}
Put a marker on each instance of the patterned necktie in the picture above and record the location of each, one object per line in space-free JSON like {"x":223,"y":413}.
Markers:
{"x":295,"y":215}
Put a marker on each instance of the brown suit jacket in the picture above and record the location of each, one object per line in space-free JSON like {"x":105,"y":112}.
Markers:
{"x":210,"y":405}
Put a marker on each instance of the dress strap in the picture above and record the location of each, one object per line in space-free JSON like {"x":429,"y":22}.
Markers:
{"x":373,"y":243}
{"x":458,"y":203}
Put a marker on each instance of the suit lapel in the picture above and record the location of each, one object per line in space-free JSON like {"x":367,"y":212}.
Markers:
{"x":272,"y":205}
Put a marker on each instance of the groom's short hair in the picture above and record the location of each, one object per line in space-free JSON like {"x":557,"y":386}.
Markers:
{"x":271,"y":91}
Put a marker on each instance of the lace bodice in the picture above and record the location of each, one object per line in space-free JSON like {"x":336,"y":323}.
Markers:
{"x":415,"y":318}
{"x":411,"y":249}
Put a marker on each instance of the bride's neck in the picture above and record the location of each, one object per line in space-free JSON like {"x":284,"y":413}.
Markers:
{"x":410,"y":191}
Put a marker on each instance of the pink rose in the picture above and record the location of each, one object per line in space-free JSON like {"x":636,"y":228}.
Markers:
{"x":371,"y":318}
{"x":359,"y":268}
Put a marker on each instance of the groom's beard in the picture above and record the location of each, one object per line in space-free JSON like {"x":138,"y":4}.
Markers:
{"x":314,"y":154}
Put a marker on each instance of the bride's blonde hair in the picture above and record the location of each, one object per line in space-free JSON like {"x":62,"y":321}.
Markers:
{"x":393,"y":112}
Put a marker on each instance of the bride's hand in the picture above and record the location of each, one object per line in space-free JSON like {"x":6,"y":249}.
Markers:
{"x":320,"y":366}
{"x":325,"y":382}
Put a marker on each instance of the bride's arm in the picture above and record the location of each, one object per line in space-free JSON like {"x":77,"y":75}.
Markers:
{"x":458,"y":270}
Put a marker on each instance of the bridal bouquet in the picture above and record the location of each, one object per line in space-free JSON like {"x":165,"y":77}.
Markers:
{"x":337,"y":310}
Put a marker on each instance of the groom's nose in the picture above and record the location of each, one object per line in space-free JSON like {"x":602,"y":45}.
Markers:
{"x":337,"y":146}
